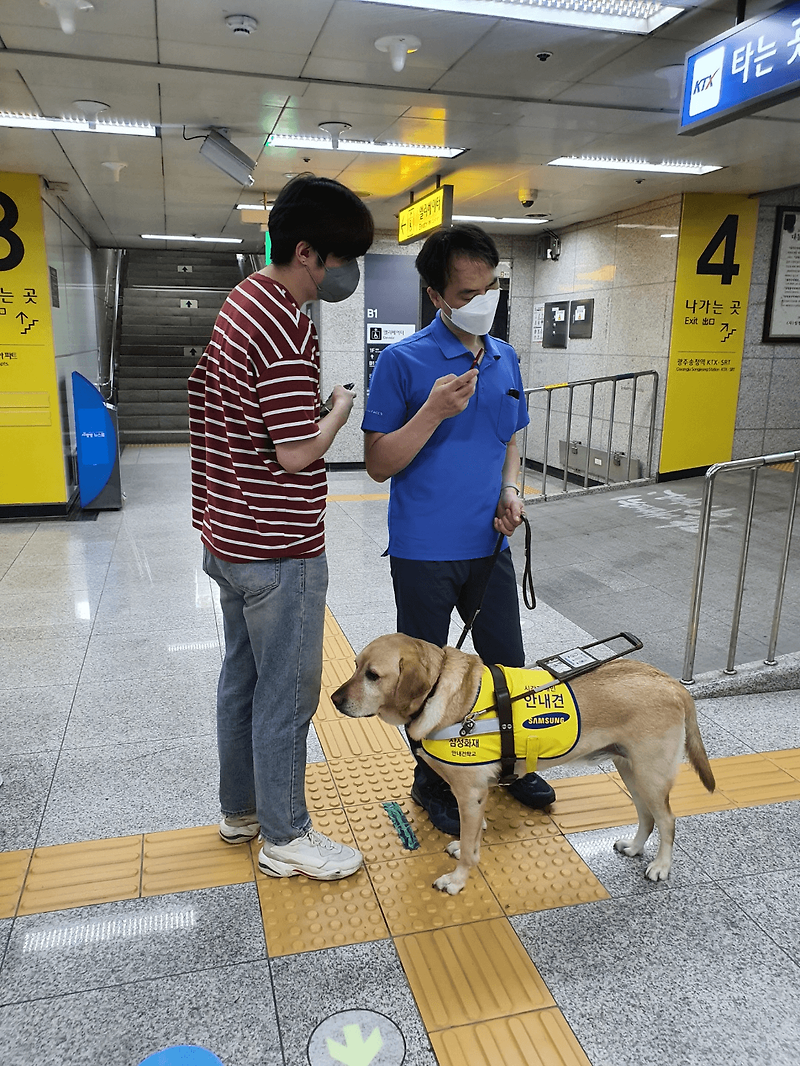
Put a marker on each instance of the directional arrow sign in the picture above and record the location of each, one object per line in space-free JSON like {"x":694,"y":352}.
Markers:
{"x":357,"y":1051}
{"x":356,"y":1038}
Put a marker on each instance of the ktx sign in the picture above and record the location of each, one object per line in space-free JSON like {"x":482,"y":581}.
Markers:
{"x":752,"y":66}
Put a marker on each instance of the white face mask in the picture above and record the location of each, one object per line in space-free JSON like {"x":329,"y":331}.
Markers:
{"x":477,"y":315}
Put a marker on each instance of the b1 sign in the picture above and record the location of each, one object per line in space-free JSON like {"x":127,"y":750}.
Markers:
{"x":752,"y":66}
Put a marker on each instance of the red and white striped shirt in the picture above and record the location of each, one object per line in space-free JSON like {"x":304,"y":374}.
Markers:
{"x":256,"y":385}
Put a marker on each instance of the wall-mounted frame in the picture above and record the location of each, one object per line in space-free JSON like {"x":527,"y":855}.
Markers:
{"x":782,"y":312}
{"x":581,"y":314}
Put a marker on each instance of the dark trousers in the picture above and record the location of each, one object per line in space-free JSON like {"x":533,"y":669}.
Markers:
{"x":426,"y":593}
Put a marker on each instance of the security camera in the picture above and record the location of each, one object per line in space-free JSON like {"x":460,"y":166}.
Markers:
{"x":543,"y":56}
{"x":527,"y":197}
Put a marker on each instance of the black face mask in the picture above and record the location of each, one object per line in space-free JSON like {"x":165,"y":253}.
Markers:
{"x":339,"y":282}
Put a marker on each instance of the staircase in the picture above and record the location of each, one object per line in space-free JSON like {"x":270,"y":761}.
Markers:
{"x":169,"y":303}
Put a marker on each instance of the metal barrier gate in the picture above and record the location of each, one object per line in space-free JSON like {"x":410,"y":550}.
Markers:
{"x":753,"y":465}
{"x":595,"y":464}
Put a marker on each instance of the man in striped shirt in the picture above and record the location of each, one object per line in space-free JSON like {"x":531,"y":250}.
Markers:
{"x":258,"y":437}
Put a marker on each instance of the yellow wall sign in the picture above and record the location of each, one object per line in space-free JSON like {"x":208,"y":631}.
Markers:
{"x":32,"y":470}
{"x":426,"y":215}
{"x":712,"y":285}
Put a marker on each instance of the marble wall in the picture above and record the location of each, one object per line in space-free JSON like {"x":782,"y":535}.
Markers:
{"x":768,"y":413}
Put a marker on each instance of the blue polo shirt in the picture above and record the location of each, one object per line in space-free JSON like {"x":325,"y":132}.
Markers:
{"x":442,"y":505}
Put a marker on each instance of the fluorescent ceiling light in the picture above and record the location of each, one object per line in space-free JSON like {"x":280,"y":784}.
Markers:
{"x":254,"y":207}
{"x":178,"y":237}
{"x":378,"y":147}
{"x":593,"y":163}
{"x":510,"y":221}
{"x":228,"y":158}
{"x":77,"y":125}
{"x":618,"y":16}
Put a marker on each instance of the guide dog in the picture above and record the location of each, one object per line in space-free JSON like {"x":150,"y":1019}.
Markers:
{"x":630,"y":712}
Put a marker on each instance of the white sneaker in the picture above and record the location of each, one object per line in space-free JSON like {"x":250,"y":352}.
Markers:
{"x":314,"y":855}
{"x":238,"y":829}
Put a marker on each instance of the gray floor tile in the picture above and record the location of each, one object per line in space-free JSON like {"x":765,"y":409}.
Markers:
{"x":771,"y":901}
{"x":24,"y":794}
{"x":681,"y":976}
{"x":767,"y":721}
{"x":313,"y":986}
{"x":119,"y":943}
{"x":229,"y":1010}
{"x":64,"y":612}
{"x":747,"y":841}
{"x":43,"y":656}
{"x":121,"y":789}
{"x":623,"y":875}
{"x":718,"y":742}
{"x":34,"y":719}
{"x":146,"y":654}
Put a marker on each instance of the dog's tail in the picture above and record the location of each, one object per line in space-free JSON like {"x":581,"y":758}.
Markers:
{"x":695,"y":748}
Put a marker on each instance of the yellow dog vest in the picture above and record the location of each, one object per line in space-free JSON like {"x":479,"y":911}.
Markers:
{"x":547,"y":724}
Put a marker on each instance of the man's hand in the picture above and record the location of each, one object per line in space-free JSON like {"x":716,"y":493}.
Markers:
{"x":341,"y":400}
{"x":510,"y":509}
{"x":450,"y":394}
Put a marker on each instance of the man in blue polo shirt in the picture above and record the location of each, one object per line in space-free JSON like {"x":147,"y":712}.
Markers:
{"x":441,"y":415}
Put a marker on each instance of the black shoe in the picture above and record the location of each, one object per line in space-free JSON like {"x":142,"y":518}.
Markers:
{"x":533,"y":791}
{"x":434,"y":794}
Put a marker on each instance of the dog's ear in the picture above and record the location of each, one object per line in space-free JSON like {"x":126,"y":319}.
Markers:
{"x":412,"y":684}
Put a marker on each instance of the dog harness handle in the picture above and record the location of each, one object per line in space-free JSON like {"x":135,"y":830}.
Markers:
{"x":508,"y":754}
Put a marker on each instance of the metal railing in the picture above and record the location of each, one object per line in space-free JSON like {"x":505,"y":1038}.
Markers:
{"x":754,"y":465}
{"x":109,"y":342}
{"x":612,"y":455}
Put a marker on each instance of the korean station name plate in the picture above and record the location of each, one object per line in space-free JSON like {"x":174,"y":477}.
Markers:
{"x":430,"y":213}
{"x":752,"y":66}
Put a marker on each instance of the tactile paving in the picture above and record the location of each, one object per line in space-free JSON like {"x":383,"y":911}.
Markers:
{"x":690,"y":796}
{"x":508,"y":819}
{"x":13,"y":868}
{"x":320,"y":790}
{"x":592,"y":802}
{"x":788,"y":760}
{"x":358,"y":736}
{"x":471,"y":973}
{"x":538,"y":874}
{"x":411,"y":904}
{"x":373,"y":778}
{"x":304,"y":915}
{"x":541,"y":1038}
{"x":378,"y":839}
{"x":74,"y":875}
{"x":750,"y":780}
{"x":184,"y":859}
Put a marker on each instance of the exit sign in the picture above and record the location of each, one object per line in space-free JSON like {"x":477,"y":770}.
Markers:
{"x":424,"y":216}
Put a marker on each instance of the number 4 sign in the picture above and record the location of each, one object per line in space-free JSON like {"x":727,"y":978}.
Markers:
{"x":712,"y":285}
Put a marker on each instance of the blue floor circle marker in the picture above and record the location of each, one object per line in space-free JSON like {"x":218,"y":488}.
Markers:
{"x":184,"y":1055}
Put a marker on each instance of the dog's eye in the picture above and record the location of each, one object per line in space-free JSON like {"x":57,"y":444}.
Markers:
{"x":370,"y":675}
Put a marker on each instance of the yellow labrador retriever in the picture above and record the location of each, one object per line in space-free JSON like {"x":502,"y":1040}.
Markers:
{"x":629,"y":712}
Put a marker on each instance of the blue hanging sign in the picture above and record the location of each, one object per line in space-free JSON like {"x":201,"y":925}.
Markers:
{"x":752,"y":66}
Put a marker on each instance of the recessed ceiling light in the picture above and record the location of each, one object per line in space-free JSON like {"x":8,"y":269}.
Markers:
{"x":179,"y":237}
{"x":618,"y":16}
{"x":77,"y":125}
{"x":254,"y":207}
{"x":377,"y":147}
{"x":506,"y":221}
{"x":597,"y":163}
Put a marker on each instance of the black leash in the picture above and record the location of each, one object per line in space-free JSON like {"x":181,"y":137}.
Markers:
{"x":528,"y":591}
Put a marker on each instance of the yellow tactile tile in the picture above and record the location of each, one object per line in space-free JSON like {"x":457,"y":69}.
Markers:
{"x":471,"y":973}
{"x":751,"y":780}
{"x":13,"y":868}
{"x":592,"y":802}
{"x":361,"y":496}
{"x":184,"y":859}
{"x":304,"y":915}
{"x":358,"y":736}
{"x":321,"y":792}
{"x":411,"y":904}
{"x":540,"y":1038}
{"x":378,"y":839}
{"x":507,"y":819}
{"x":538,"y":874}
{"x":334,"y":673}
{"x":690,"y":796}
{"x":75,"y":875}
{"x":788,"y":760}
{"x":374,"y":778}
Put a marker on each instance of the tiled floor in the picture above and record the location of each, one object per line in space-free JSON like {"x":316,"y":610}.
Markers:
{"x":126,"y":926}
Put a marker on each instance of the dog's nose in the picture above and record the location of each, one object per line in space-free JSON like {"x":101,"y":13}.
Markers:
{"x":337,"y":698}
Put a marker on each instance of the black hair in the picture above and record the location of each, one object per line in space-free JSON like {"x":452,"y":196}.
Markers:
{"x":323,"y":212}
{"x":435,"y":259}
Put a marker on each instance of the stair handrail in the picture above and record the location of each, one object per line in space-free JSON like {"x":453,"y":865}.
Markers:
{"x":108,"y":383}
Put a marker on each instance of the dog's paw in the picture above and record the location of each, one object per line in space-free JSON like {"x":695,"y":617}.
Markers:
{"x":447,"y":884}
{"x":628,"y":847}
{"x":657,"y":871}
{"x":454,"y":849}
